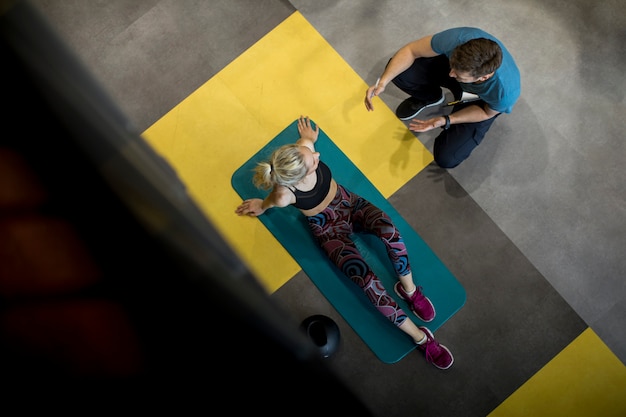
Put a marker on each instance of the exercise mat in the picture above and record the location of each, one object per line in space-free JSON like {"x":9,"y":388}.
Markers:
{"x":289,"y":226}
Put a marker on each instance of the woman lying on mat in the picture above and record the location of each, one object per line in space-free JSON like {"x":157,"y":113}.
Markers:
{"x":296,"y":176}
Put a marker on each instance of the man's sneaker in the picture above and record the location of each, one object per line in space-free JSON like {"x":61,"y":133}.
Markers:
{"x":411,"y":107}
{"x":419,"y":304}
{"x":437,"y":354}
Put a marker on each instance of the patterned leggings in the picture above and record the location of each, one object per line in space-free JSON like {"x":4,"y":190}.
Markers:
{"x":349,"y":213}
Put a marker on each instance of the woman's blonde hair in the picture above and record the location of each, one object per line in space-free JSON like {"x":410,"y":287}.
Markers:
{"x":284,"y":167}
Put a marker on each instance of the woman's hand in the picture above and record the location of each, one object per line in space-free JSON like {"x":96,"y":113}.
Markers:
{"x":306,"y":130}
{"x":251,"y":207}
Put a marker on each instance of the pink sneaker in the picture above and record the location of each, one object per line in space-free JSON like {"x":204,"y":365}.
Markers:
{"x":418,"y":303}
{"x":437,"y":354}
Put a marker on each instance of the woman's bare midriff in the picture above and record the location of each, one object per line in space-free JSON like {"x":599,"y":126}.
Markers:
{"x":321,"y":206}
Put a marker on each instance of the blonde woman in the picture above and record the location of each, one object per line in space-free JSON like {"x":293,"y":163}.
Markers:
{"x":296,"y":176}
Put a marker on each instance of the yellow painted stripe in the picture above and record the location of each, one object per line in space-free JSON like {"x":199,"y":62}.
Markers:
{"x":584,"y":380}
{"x":289,"y":72}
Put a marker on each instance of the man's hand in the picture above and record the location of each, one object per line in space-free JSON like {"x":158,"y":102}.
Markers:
{"x":372,"y":92}
{"x":425,"y":125}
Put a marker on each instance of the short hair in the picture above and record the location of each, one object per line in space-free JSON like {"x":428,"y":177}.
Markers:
{"x":285,"y":167}
{"x":477,"y":57}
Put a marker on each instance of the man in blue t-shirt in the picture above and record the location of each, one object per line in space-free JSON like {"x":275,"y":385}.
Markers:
{"x":463,"y":60}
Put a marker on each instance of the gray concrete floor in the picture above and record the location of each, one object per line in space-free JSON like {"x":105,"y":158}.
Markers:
{"x":550,"y":176}
{"x":533,"y":223}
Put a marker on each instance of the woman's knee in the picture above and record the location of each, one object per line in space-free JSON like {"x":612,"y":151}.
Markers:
{"x":385,"y":228}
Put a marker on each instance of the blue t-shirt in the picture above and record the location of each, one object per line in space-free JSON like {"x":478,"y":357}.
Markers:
{"x":501,"y":91}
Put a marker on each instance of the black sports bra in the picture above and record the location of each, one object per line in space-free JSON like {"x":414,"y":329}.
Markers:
{"x":306,"y":200}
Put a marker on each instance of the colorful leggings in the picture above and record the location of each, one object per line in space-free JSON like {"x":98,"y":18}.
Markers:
{"x":349,"y":213}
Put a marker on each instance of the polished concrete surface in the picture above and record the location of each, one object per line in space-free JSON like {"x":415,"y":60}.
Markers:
{"x":533,"y":223}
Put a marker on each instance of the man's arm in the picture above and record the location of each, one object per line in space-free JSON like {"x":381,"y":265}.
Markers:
{"x":469,"y":114}
{"x":473,"y":114}
{"x":404,"y":58}
{"x":401,"y":60}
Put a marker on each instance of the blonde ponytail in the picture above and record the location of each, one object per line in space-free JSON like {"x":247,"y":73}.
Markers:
{"x":285,"y":167}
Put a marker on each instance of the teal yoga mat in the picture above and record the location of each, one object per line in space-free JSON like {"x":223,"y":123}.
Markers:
{"x":289,"y":226}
